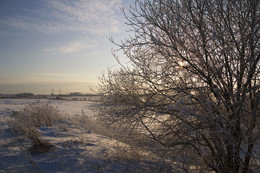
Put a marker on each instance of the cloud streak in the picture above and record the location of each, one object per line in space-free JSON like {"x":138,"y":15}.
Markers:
{"x":69,"y":47}
{"x":92,"y":16}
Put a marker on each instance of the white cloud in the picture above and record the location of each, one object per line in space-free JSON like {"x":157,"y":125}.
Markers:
{"x":69,"y":47}
{"x":92,"y":16}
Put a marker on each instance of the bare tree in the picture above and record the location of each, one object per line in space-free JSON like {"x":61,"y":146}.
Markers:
{"x":192,"y":88}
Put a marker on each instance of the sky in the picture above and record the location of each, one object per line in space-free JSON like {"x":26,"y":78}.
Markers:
{"x":58,"y":46}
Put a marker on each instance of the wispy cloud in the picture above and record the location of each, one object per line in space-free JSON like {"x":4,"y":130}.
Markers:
{"x":92,"y":16}
{"x":69,"y":47}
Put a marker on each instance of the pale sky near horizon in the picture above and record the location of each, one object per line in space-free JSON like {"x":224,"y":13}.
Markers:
{"x":57,"y":45}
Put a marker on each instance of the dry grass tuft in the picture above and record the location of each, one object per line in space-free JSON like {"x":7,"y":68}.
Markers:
{"x":27,"y":121}
{"x":41,"y":147}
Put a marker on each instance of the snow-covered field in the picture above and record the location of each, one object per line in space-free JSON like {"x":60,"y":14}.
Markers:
{"x":76,"y":149}
{"x":65,"y":106}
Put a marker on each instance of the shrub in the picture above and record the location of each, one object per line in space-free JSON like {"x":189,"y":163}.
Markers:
{"x":191,"y":82}
{"x":35,"y":115}
{"x":41,"y":114}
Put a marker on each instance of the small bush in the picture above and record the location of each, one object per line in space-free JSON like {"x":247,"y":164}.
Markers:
{"x":25,"y":122}
{"x":41,"y":114}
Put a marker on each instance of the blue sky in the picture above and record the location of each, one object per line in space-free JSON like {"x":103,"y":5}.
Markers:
{"x":57,"y":45}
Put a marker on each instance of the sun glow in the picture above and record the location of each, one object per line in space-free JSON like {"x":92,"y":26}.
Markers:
{"x":182,"y":63}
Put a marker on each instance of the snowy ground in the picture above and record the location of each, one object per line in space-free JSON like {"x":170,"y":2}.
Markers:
{"x":76,"y":149}
{"x":65,"y":106}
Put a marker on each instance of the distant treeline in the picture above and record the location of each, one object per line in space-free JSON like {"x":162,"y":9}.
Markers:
{"x":31,"y":95}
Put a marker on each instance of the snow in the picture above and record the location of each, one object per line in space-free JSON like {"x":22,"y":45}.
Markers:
{"x":75,"y":148}
{"x":66,"y":107}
